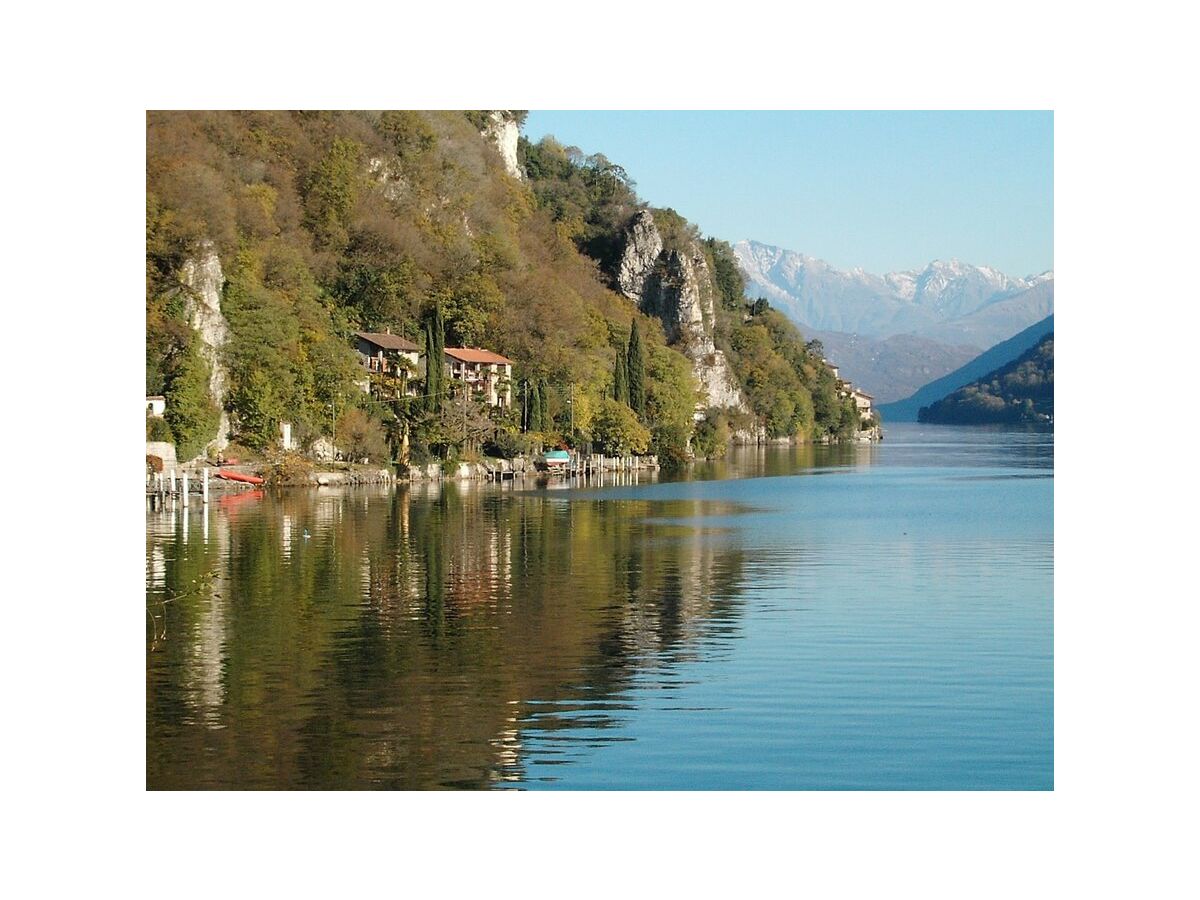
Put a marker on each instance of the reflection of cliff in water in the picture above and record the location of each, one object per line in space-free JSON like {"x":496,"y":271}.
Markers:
{"x":375,"y":638}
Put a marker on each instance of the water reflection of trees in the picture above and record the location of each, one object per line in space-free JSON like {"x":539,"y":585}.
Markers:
{"x":412,"y":641}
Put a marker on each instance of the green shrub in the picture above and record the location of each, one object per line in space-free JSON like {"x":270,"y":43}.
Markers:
{"x":616,"y":430}
{"x":157,"y":429}
{"x":191,"y":415}
{"x":711,"y":438}
{"x":507,"y":443}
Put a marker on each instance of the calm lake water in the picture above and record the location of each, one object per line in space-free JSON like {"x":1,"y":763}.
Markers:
{"x":866,"y":617}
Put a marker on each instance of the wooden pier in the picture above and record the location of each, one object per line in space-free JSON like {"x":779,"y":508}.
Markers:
{"x":166,"y":485}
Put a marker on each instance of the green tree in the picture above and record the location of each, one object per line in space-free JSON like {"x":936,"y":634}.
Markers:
{"x":544,"y":420}
{"x":259,"y":408}
{"x":535,"y":407}
{"x":670,"y":403}
{"x":727,"y":275}
{"x":331,"y":192}
{"x":620,"y":378}
{"x":191,"y":413}
{"x":407,"y":132}
{"x":711,"y":438}
{"x":435,"y":355}
{"x":636,"y":365}
{"x":616,"y":431}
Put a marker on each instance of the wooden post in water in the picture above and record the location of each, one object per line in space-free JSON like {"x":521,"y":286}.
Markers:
{"x":172,"y":481}
{"x":204,"y":485}
{"x":185,"y":489}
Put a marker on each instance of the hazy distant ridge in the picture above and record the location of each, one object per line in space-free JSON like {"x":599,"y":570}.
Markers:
{"x":988,"y":361}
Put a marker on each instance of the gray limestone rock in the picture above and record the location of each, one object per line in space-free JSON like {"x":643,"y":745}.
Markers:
{"x":203,"y":281}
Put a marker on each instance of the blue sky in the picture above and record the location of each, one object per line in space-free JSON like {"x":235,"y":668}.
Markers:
{"x":880,"y":190}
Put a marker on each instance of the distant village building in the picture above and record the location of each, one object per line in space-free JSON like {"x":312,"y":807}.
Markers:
{"x":862,"y":400}
{"x":156,"y":406}
{"x":487,"y":375}
{"x":386,"y":354}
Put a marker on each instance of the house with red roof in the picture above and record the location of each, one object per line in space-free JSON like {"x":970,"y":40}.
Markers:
{"x":487,"y":375}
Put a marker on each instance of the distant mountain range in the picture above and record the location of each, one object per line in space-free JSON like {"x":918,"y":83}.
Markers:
{"x":889,"y":331}
{"x":996,"y":358}
{"x":894,"y":367}
{"x":941,"y":301}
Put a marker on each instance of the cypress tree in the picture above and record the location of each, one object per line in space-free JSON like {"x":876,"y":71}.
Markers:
{"x":432,"y":370}
{"x":535,"y":406}
{"x":524,"y":404}
{"x":439,"y":337}
{"x":435,"y":360}
{"x":636,"y":365}
{"x":620,"y":378}
{"x":439,"y":331}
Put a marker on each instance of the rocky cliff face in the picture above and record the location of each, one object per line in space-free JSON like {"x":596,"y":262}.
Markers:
{"x":203,"y":280}
{"x":502,"y":131}
{"x":677,"y":287}
{"x":643,"y":244}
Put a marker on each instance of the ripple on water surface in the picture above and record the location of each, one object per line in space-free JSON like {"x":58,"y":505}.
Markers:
{"x":854,"y":617}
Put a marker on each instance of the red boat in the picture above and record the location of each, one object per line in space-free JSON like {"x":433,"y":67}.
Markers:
{"x":238,"y":476}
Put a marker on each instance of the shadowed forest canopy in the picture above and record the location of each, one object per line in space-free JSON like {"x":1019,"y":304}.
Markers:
{"x":1021,"y":392}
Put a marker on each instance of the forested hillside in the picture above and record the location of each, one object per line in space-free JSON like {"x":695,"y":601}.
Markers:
{"x":325,"y":223}
{"x":1021,"y":392}
{"x":993,"y":358}
{"x":787,"y":388}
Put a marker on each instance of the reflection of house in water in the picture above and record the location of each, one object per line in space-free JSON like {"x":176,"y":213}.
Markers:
{"x":683,"y":580}
{"x":327,"y":511}
{"x":207,"y":647}
{"x":461,"y":638}
{"x":156,"y":568}
{"x":480,"y":560}
{"x":507,"y":746}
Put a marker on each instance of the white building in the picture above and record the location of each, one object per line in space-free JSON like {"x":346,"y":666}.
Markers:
{"x":862,"y":400}
{"x":487,"y":375}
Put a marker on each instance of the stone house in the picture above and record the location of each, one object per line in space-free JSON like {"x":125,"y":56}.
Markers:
{"x":156,"y":406}
{"x":488,"y":375}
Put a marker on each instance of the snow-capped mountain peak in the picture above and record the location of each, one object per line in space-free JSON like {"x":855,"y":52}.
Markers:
{"x":825,"y":298}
